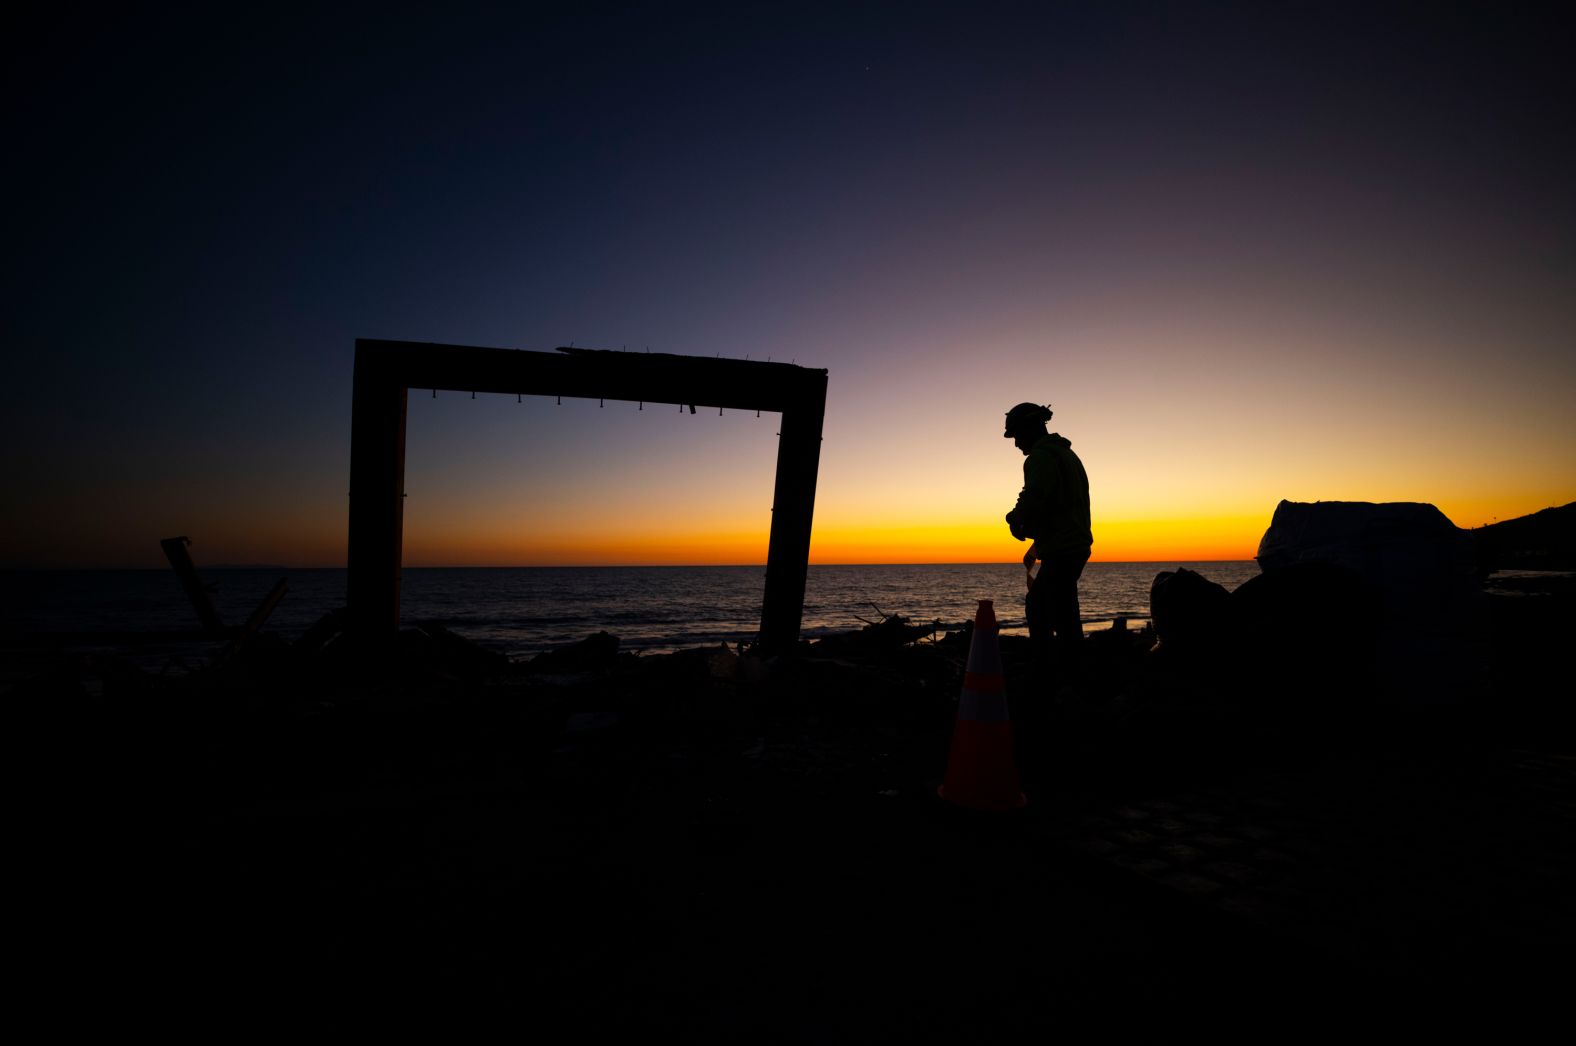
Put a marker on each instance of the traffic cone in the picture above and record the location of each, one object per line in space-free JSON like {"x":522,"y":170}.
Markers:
{"x":980,"y":772}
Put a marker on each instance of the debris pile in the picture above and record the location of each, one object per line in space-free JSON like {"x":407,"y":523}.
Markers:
{"x":592,"y":825}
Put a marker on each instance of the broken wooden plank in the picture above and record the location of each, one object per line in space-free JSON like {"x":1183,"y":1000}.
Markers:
{"x":186,"y":570}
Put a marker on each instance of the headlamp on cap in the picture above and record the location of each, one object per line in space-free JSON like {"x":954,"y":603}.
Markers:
{"x":1026,"y":414}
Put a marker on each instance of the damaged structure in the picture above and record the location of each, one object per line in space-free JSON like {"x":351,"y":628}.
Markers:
{"x":385,"y":371}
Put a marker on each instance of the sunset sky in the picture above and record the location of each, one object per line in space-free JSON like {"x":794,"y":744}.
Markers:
{"x":1246,"y":252}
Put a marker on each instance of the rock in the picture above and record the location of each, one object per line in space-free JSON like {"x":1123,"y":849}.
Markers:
{"x":435,"y":647}
{"x":1189,"y":611}
{"x":723,"y":663}
{"x":594,"y":652}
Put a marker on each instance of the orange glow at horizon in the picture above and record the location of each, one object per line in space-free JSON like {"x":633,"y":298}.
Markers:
{"x":841,"y":541}
{"x":1115,"y":541}
{"x":317,"y":539}
{"x":674,"y":490}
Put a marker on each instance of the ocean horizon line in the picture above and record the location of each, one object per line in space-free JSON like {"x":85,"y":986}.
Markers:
{"x":605,"y":566}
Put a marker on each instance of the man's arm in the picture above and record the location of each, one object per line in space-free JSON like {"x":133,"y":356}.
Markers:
{"x":1019,"y":519}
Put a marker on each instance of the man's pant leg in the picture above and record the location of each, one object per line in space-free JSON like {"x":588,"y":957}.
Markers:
{"x":1055,"y":621}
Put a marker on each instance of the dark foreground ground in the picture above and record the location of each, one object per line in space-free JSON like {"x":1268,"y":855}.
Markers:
{"x":715,"y":848}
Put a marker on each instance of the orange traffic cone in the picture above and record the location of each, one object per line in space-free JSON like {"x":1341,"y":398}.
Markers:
{"x":980,"y":772}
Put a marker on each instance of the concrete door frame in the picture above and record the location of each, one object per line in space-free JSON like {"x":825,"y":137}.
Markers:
{"x":385,"y":371}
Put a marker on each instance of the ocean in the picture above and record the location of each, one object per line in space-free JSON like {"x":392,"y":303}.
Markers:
{"x":524,"y":610}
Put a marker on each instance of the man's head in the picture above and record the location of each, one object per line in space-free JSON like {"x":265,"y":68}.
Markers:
{"x":1026,"y":424}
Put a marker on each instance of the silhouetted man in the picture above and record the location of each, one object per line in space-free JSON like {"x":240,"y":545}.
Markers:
{"x":1053,"y":513}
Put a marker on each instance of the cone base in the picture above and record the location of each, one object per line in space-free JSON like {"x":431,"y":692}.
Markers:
{"x":980,"y":771}
{"x":995,"y":807}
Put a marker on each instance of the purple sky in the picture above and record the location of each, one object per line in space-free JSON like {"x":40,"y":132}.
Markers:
{"x":1311,"y":252}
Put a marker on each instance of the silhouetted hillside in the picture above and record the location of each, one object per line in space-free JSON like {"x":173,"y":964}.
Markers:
{"x":1542,"y":541}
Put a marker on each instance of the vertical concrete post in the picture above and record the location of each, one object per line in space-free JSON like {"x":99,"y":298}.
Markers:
{"x":377,"y":492}
{"x":793,"y":506}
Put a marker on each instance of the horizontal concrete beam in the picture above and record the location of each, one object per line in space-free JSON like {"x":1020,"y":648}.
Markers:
{"x":598,"y":374}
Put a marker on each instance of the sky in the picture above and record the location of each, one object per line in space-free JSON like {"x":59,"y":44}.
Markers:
{"x":1246,"y":253}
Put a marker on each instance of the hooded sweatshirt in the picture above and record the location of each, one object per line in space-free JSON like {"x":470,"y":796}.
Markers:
{"x":1053,"y":508}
